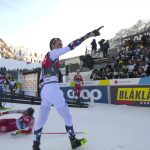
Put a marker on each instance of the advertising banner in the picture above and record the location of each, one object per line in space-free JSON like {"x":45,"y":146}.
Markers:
{"x":135,"y":37}
{"x":30,"y":82}
{"x":130,"y":81}
{"x":138,"y":95}
{"x":94,"y":94}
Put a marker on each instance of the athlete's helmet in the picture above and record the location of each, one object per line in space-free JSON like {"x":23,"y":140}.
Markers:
{"x":30,"y":111}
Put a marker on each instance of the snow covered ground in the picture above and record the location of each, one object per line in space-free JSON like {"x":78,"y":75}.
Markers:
{"x":110,"y":127}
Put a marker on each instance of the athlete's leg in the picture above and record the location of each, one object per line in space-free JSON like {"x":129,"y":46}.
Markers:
{"x":65,"y":114}
{"x":43,"y":115}
{"x":7,"y":121}
{"x":79,"y":90}
{"x":63,"y":110}
{"x":75,"y":90}
{"x":3,"y":121}
{"x":7,"y":125}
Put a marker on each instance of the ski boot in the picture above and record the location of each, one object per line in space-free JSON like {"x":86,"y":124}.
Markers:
{"x":77,"y":142}
{"x":36,"y":145}
{"x":36,"y":142}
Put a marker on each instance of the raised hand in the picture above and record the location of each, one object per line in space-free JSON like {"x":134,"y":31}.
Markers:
{"x":95,"y":32}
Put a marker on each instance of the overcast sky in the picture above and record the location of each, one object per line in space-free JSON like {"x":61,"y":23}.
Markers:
{"x":33,"y":23}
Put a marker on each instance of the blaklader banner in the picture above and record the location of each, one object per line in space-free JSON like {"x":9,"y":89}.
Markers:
{"x":138,"y":95}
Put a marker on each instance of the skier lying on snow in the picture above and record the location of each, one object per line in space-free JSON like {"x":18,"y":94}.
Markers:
{"x":22,"y":125}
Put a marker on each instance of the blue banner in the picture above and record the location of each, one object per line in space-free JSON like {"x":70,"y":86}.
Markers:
{"x":95,"y":94}
{"x":145,"y":80}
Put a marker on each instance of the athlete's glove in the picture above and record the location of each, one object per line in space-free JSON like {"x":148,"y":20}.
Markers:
{"x":95,"y":32}
{"x":15,"y":133}
{"x":77,"y":42}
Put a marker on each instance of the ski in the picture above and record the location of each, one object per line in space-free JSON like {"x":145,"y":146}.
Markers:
{"x":80,"y":132}
{"x":14,"y":134}
{"x":20,"y":134}
{"x":77,"y":104}
{"x":53,"y":133}
{"x":4,"y":108}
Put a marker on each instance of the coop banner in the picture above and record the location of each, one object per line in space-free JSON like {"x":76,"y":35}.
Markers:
{"x":131,"y":95}
{"x":95,"y":94}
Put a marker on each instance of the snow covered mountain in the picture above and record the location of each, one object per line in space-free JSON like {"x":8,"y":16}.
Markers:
{"x":140,"y":26}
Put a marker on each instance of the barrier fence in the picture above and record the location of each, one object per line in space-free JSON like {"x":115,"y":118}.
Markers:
{"x":135,"y":92}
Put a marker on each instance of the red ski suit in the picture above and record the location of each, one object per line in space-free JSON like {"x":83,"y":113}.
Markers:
{"x":78,"y":81}
{"x":24,"y":124}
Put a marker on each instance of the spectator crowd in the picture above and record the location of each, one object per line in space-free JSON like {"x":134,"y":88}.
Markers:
{"x":132,"y":61}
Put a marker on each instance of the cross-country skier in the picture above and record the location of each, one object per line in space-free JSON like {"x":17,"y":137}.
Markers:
{"x":22,"y":125}
{"x":78,"y":79}
{"x":50,"y":92}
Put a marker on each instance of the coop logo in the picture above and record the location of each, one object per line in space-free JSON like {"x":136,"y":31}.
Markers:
{"x":86,"y":94}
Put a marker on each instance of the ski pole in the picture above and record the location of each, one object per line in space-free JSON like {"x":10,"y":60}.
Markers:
{"x":80,"y":132}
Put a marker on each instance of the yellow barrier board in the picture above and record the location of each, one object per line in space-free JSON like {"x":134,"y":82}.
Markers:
{"x":134,"y":94}
{"x":104,"y":82}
